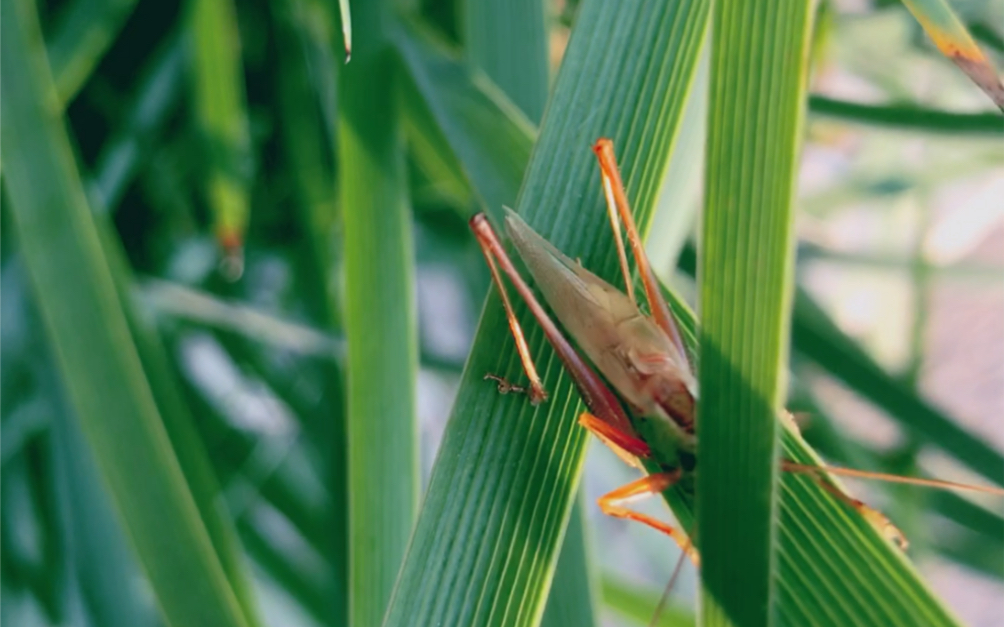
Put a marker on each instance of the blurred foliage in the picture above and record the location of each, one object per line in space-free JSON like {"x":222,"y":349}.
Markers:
{"x":141,"y":355}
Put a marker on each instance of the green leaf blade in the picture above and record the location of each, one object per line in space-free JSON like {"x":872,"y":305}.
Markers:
{"x":85,"y":32}
{"x":490,"y":30}
{"x":522,"y":73}
{"x":87,"y":323}
{"x":757,"y":80}
{"x":380,"y":320}
{"x":222,"y":113}
{"x":952,"y":38}
{"x":465,"y":108}
{"x":502,"y":488}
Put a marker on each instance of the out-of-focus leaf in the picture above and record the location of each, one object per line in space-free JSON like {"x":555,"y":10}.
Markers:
{"x":432,"y":152}
{"x":818,"y":429}
{"x":491,"y":27}
{"x":122,"y":155}
{"x":274,"y":560}
{"x":639,"y":605}
{"x":968,"y":514}
{"x":973,"y":552}
{"x":223,"y":119}
{"x":85,"y":319}
{"x":174,"y":300}
{"x":988,"y":34}
{"x":907,"y":117}
{"x":96,"y":546}
{"x":465,"y":106}
{"x":83,"y":34}
{"x":380,"y":320}
{"x":949,"y":34}
{"x":302,"y":42}
{"x":815,"y":336}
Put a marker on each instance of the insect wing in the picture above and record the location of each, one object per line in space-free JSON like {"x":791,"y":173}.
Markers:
{"x":623,"y":343}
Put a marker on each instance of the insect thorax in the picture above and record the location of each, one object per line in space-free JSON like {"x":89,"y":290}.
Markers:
{"x":671,"y":446}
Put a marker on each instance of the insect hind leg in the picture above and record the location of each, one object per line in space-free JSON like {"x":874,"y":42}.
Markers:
{"x":613,"y":504}
{"x":876,"y":518}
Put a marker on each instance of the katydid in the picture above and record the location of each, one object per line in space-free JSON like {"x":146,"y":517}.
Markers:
{"x":652,"y":414}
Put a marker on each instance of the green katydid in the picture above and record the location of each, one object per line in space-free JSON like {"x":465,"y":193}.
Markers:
{"x":652,"y":414}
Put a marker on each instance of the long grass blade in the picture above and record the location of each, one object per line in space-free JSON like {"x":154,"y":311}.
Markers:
{"x":758,"y":73}
{"x":379,"y":318}
{"x":907,"y":117}
{"x":521,"y":72}
{"x":485,"y":545}
{"x":222,"y":114}
{"x":489,"y":136}
{"x":83,"y":34}
{"x":100,"y":365}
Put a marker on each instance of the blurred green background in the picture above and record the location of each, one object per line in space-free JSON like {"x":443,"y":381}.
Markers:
{"x":189,"y":248}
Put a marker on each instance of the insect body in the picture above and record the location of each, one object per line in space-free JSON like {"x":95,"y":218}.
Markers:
{"x":641,"y":356}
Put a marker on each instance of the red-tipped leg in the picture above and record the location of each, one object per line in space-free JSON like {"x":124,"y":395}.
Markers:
{"x":612,"y":505}
{"x":628,"y":447}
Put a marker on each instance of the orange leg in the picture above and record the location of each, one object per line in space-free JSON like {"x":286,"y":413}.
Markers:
{"x":537,"y":393}
{"x":602,"y":402}
{"x":876,"y":518}
{"x":612,"y":504}
{"x":628,"y":447}
{"x":616,"y":197}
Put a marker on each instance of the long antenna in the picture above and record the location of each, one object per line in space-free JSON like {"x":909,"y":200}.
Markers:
{"x":881,"y":476}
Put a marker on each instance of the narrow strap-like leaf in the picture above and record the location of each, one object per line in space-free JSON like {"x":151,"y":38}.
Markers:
{"x":222,"y":114}
{"x":486,"y":541}
{"x":379,"y":318}
{"x":758,"y":69}
{"x":85,"y":318}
